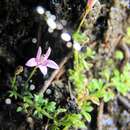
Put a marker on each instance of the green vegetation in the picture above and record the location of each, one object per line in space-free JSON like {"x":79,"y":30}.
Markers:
{"x":127,"y":36}
{"x":105,"y":84}
{"x":90,"y":84}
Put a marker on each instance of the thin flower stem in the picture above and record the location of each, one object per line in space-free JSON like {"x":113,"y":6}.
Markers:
{"x":30,"y":76}
{"x":82,"y":21}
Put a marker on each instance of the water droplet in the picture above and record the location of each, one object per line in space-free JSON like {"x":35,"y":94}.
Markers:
{"x":64,"y":22}
{"x":48,"y":13}
{"x":50,"y":30}
{"x":48,"y":91}
{"x":30,"y":81}
{"x":53,"y":17}
{"x":69,"y":44}
{"x":59,"y":26}
{"x":32,"y":87}
{"x":34,"y":40}
{"x":8,"y":101}
{"x":51,"y":23}
{"x":66,"y":36}
{"x":40,"y":10}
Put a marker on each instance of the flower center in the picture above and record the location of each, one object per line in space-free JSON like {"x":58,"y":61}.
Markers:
{"x":42,"y":61}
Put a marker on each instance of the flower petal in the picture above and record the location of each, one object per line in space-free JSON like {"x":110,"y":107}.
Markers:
{"x":47,"y":53}
{"x":31,"y":62}
{"x":43,"y":69}
{"x":52,"y":64}
{"x":39,"y":52}
{"x":91,"y":3}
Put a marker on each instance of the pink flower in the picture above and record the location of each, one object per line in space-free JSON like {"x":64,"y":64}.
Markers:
{"x":91,"y":3}
{"x":42,"y":61}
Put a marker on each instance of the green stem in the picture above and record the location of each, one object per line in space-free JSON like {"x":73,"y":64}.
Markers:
{"x":14,"y":81}
{"x":83,"y":19}
{"x":30,"y":76}
{"x":76,"y":58}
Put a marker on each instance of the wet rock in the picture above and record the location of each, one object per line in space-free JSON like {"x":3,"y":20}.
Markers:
{"x":90,"y":21}
{"x":7,"y":55}
{"x":124,"y":119}
{"x":115,"y":26}
{"x":108,"y":123}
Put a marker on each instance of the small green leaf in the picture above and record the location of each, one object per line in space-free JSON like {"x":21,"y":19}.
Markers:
{"x":90,"y":53}
{"x":89,"y":108}
{"x":128,"y":31}
{"x":80,"y":37}
{"x":108,"y":96}
{"x":60,"y":110}
{"x":119,"y":55}
{"x":86,"y":115}
{"x":51,"y":107}
{"x":95,"y":100}
{"x":19,"y":109}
